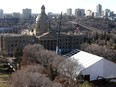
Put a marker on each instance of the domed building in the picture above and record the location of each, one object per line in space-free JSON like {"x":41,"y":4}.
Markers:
{"x":61,"y":42}
{"x":42,"y":22}
{"x":52,"y":40}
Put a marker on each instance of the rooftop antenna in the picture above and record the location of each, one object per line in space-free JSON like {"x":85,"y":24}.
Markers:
{"x":58,"y":51}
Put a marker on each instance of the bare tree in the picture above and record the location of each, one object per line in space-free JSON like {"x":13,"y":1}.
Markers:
{"x":31,"y":76}
{"x":35,"y":68}
{"x":57,"y":85}
{"x":83,"y":46}
{"x":49,"y":57}
{"x":37,"y":54}
{"x":29,"y":79}
{"x":30,"y":52}
{"x":70,"y":68}
{"x":102,"y":51}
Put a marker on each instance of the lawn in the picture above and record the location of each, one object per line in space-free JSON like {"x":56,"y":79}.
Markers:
{"x":4,"y":80}
{"x":4,"y":75}
{"x":3,"y":84}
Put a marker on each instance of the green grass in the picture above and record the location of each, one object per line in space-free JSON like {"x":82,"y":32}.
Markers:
{"x":4,"y":80}
{"x":3,"y":68}
{"x":86,"y":84}
{"x":1,"y":64}
{"x":3,"y":84}
{"x":4,"y":75}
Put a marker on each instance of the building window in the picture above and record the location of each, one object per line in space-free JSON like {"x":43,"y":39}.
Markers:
{"x":15,"y":45}
{"x":23,"y":40}
{"x":16,"y":41}
{"x":11,"y":45}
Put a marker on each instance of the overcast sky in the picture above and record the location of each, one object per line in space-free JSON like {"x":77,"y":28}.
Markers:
{"x":55,"y":6}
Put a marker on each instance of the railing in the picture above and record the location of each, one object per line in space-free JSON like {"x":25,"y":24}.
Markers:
{"x":71,"y":53}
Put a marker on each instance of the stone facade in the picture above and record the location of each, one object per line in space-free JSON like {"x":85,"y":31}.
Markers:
{"x":9,"y":41}
{"x":42,"y":23}
{"x":65,"y":42}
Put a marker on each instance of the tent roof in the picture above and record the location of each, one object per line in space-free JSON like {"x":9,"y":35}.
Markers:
{"x":86,"y":59}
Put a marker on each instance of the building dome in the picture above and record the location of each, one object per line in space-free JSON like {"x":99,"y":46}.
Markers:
{"x":42,"y":22}
{"x":42,"y":17}
{"x":43,"y":8}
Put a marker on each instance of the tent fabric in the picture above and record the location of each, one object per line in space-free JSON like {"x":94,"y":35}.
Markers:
{"x":86,"y":59}
{"x":95,"y":66}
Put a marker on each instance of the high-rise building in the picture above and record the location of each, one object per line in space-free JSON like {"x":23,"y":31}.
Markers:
{"x":26,"y":13}
{"x":15,"y":15}
{"x":111,"y":13}
{"x":106,"y":12}
{"x":79,"y":12}
{"x":88,"y":13}
{"x":1,"y":14}
{"x":69,"y":11}
{"x":7,"y":16}
{"x":102,"y":14}
{"x":96,"y":14}
{"x":99,"y":10}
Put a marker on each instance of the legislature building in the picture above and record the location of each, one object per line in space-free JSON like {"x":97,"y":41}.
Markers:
{"x":64,"y":42}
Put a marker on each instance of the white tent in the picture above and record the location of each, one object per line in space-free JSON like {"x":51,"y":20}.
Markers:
{"x":95,"y":66}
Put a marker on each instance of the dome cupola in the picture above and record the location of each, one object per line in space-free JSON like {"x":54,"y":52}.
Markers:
{"x":43,"y":9}
{"x":42,"y":22}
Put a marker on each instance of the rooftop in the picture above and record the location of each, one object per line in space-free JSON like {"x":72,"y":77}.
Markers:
{"x":11,"y":35}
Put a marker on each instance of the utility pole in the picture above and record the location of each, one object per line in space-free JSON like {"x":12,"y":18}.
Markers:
{"x":58,"y":51}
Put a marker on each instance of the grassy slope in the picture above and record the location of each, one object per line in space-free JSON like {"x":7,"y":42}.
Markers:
{"x":4,"y":80}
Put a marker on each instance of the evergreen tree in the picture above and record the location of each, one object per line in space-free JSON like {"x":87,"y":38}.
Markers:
{"x":17,"y":53}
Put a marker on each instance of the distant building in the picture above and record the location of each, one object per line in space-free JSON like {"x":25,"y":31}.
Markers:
{"x":9,"y":41}
{"x":9,"y":29}
{"x":88,"y":13}
{"x":96,"y":14}
{"x":1,"y":14}
{"x":16,"y":15}
{"x":79,"y":12}
{"x":93,"y":14}
{"x":102,"y":15}
{"x":53,"y":16}
{"x":42,"y":34}
{"x":99,"y":10}
{"x":42,"y":23}
{"x":26,"y":14}
{"x":50,"y":40}
{"x":7,"y":16}
{"x":50,"y":13}
{"x":69,"y":12}
{"x":106,"y":12}
{"x":112,"y":14}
